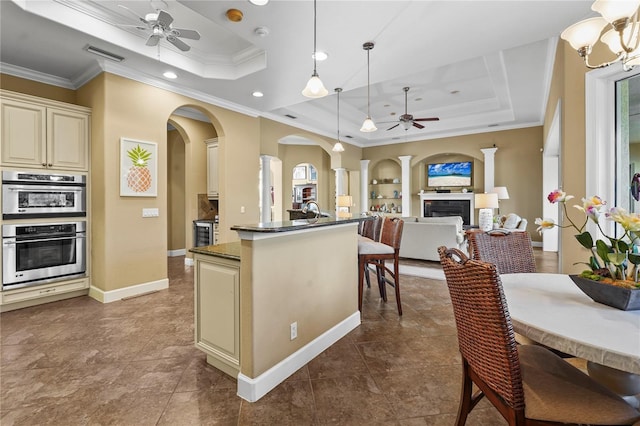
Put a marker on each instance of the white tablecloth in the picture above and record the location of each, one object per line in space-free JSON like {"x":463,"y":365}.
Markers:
{"x":550,"y":309}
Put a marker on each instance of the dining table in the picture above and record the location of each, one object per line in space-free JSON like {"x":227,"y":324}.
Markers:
{"x":551,"y":310}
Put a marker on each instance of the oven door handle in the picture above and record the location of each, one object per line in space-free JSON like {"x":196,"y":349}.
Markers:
{"x":47,"y":191}
{"x":43,"y":240}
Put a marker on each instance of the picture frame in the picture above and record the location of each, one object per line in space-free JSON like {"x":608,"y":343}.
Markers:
{"x":299,"y":172}
{"x":139,"y":180}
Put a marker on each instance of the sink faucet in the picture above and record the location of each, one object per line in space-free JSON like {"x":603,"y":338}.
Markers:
{"x":306,"y":208}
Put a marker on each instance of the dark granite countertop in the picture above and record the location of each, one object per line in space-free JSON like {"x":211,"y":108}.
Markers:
{"x":296,"y":225}
{"x":225,"y":250}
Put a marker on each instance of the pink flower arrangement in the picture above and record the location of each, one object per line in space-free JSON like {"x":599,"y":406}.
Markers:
{"x":617,"y":259}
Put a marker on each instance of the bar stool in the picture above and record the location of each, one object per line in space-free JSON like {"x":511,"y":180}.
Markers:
{"x":376,"y":253}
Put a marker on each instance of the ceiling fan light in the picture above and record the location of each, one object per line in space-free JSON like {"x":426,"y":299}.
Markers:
{"x":338,"y":147}
{"x":407,"y":124}
{"x":315,"y":88}
{"x":259,"y":2}
{"x":584,"y":33}
{"x":614,"y":10}
{"x":368,"y":126}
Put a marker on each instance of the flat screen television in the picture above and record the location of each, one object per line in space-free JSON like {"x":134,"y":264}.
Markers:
{"x":449,"y":174}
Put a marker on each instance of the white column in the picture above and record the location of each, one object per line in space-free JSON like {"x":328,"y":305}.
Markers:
{"x":405,"y":162}
{"x":489,"y":168}
{"x":341,"y":189}
{"x":265,"y":190}
{"x":364,"y":185}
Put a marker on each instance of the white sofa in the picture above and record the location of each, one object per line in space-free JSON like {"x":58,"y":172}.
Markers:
{"x":421,"y":236}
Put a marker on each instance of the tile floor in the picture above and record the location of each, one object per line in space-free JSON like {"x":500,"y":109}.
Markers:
{"x":132,"y":362}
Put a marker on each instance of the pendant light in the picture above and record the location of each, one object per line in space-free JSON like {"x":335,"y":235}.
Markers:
{"x":368,"y":125}
{"x":314,"y":88}
{"x":338,"y":146}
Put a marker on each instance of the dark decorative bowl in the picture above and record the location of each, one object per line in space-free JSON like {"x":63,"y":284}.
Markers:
{"x":617,"y":297}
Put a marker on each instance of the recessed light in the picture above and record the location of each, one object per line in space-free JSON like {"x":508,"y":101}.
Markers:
{"x":320,"y":55}
{"x":170,"y":74}
{"x":454,"y":92}
{"x":258,"y":94}
{"x":259,"y":2}
{"x":418,"y":99}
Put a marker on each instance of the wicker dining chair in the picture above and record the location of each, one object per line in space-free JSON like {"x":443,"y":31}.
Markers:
{"x":511,"y":252}
{"x":529,"y":385}
{"x":377,"y":253}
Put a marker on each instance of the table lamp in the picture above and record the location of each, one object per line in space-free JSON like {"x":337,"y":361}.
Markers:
{"x":486,"y":203}
{"x":344,"y":202}
{"x":503,"y":194}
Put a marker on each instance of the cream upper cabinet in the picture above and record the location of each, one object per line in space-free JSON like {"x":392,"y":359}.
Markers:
{"x":39,"y":133}
{"x":212,"y":168}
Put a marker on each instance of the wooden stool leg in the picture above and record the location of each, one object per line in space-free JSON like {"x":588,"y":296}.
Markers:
{"x":396,"y":279}
{"x":361,"y":266}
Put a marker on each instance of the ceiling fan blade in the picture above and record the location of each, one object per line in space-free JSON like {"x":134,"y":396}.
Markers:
{"x":418,"y":125}
{"x":164,"y":19}
{"x":427,"y":119}
{"x":153,"y":40}
{"x":181,"y":32}
{"x":138,"y":27}
{"x":178,"y":43}
{"x":393,"y":127}
{"x":140,"y":18}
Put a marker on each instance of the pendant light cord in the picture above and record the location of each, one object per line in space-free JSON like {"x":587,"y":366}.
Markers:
{"x":338,"y":117}
{"x":315,"y":12}
{"x":368,"y":87}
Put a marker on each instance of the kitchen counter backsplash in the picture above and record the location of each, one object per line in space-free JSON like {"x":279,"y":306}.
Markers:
{"x":207,"y":209}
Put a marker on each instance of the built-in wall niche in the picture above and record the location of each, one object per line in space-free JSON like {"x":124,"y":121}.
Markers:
{"x":451,"y":162}
{"x":385,"y":187}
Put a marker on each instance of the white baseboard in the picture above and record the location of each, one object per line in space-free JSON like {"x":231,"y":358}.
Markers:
{"x":254,"y":389}
{"x":188,"y":261}
{"x":134,"y":290}
{"x":536,"y":243}
{"x":176,"y":253}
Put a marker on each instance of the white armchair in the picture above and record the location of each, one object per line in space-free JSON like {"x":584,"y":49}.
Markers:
{"x":511,"y":222}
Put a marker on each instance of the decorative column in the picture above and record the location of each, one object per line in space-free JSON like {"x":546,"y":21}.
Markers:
{"x":405,"y":162}
{"x":489,"y":168}
{"x":265,"y":190}
{"x":341,"y":175}
{"x":364,"y":185}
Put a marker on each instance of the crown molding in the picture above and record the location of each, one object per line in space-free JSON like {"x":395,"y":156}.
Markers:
{"x":28,"y":74}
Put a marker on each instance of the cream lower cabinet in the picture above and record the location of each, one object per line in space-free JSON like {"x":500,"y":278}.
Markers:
{"x":217,"y":311}
{"x":40,"y":133}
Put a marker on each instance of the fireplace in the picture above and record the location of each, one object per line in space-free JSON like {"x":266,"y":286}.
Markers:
{"x":448,"y":204}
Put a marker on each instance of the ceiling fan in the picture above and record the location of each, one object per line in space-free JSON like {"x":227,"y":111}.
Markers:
{"x":407,"y":119}
{"x":159,"y":22}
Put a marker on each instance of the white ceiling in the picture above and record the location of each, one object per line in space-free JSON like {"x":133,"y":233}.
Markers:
{"x":477,"y":65}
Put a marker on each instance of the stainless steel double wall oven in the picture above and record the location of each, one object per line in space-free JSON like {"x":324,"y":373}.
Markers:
{"x":49,"y":250}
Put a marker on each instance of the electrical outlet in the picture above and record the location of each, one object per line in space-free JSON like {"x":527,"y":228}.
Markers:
{"x":242,"y":209}
{"x":294,"y":330}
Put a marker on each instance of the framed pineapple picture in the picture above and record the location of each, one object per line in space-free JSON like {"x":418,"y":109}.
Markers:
{"x":138,"y":168}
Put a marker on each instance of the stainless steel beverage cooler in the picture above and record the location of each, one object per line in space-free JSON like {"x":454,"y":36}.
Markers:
{"x":203,"y":233}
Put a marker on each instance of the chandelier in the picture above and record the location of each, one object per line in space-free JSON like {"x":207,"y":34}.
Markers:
{"x":621,"y":19}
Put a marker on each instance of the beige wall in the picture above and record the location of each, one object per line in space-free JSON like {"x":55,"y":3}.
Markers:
{"x":128,"y":249}
{"x":568,"y":86}
{"x":518,"y":166}
{"x":176,"y":234}
{"x":29,"y":87}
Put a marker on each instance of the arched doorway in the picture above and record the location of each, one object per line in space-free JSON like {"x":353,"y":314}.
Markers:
{"x":187,"y":130}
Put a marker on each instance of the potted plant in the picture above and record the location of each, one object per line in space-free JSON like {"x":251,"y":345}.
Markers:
{"x":614,"y":264}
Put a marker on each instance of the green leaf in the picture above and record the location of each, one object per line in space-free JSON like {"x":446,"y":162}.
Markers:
{"x":634,"y":258}
{"x":585,"y":239}
{"x":616,"y":258}
{"x":603,"y":250}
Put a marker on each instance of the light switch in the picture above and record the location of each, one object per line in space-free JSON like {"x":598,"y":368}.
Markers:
{"x":150,"y":213}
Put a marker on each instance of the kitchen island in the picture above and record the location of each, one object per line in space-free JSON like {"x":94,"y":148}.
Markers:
{"x":267,"y":305}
